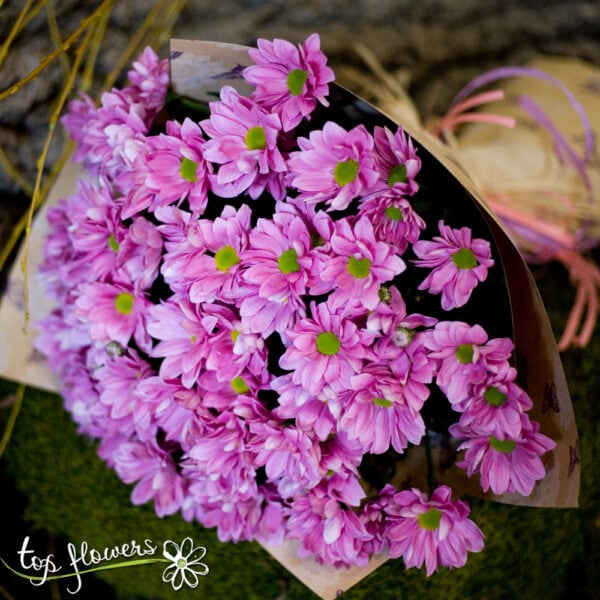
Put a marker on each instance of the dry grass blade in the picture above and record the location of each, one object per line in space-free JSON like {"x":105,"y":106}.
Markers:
{"x":14,"y":413}
{"x":5,"y":593}
{"x":57,"y":39}
{"x":36,"y":199}
{"x":14,"y":173}
{"x":15,"y":30}
{"x":47,"y":60}
{"x":87,"y":75}
{"x":93,"y":28}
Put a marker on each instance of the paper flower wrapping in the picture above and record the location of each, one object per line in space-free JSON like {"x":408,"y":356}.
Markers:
{"x":265,"y":302}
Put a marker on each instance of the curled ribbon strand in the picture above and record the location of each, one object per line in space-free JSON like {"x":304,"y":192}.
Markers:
{"x":538,"y":239}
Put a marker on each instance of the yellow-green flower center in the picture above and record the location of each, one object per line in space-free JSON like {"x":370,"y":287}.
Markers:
{"x":430,"y":519}
{"x":256,"y":138}
{"x":124,"y":303}
{"x":112,"y":243}
{"x":402,"y":336}
{"x":385,"y":295}
{"x":397,"y":175}
{"x":296,"y":80}
{"x":345,"y":172}
{"x":358,"y":267}
{"x":464,"y":353}
{"x":239,"y":386}
{"x":225,"y":258}
{"x":494,"y":396}
{"x":328,"y":343}
{"x":506,"y":446}
{"x":234,"y":335}
{"x":464,"y":259}
{"x":114,"y":349}
{"x":188,"y":169}
{"x":182,"y":563}
{"x":382,"y":402}
{"x":394,"y":213}
{"x":288,"y":261}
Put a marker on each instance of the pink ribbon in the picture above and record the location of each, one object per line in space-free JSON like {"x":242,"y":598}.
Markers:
{"x":541,"y":241}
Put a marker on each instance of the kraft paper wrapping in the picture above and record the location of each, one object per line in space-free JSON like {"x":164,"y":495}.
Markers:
{"x":199,"y":70}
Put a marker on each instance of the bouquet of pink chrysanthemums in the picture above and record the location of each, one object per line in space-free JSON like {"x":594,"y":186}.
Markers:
{"x":265,"y":302}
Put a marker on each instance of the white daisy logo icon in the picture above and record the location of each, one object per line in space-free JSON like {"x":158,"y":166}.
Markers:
{"x":185,"y":564}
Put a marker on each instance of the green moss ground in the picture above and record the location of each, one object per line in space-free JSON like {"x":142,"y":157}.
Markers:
{"x":55,"y":489}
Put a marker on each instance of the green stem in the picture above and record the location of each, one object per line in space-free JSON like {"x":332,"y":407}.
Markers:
{"x":129,"y":563}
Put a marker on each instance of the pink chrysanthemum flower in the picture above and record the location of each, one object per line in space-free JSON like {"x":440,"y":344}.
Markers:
{"x":317,"y":414}
{"x":110,"y":137}
{"x":244,"y":142}
{"x":215,"y":273}
{"x":394,"y":219}
{"x":231,"y":348}
{"x":374,"y":518}
{"x":334,"y":165}
{"x":96,"y":228}
{"x":152,"y":467}
{"x":270,"y":528}
{"x":496,"y":406}
{"x":433,"y":531}
{"x":359,"y":265}
{"x":279,"y":262}
{"x":340,"y":454}
{"x":330,"y":532}
{"x":415,"y":370}
{"x":175,"y":409}
{"x":229,"y":501}
{"x":149,"y":79}
{"x":140,"y":253}
{"x":179,"y":326}
{"x":117,"y":382}
{"x":390,"y":319}
{"x":324,"y":349}
{"x":238,"y":394}
{"x":289,"y":80}
{"x":78,"y":387}
{"x":246,"y":516}
{"x":286,"y":452}
{"x":81,"y":399}
{"x":505,"y":464}
{"x":465,"y":356}
{"x":319,"y":223}
{"x":224,"y":448}
{"x":182,"y":246}
{"x":459,"y":264}
{"x":170,"y":169}
{"x":61,"y":336}
{"x":174,"y":225}
{"x":80,"y":113}
{"x":397,"y":160}
{"x":377,"y":414}
{"x":115,"y":313}
{"x":61,"y":269}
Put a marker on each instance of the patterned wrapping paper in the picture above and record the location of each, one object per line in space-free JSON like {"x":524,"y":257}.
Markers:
{"x":198,"y":70}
